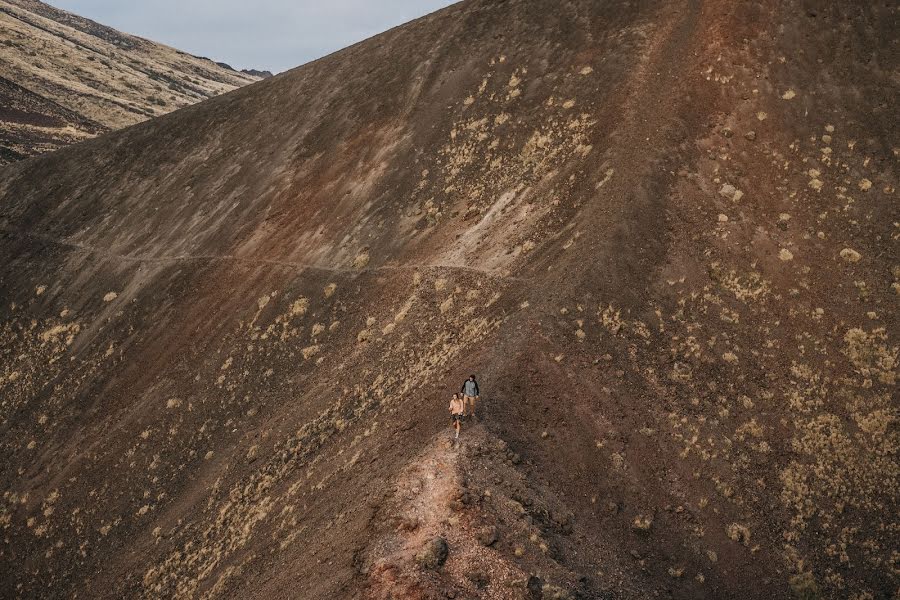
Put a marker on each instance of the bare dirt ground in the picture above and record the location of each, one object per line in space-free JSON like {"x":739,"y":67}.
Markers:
{"x":663,"y":234}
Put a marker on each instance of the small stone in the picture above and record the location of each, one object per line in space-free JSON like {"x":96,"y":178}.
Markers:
{"x":408,"y":524}
{"x":729,"y":191}
{"x":480,"y":579}
{"x":487,"y":536}
{"x":434,"y":554}
{"x":750,"y":136}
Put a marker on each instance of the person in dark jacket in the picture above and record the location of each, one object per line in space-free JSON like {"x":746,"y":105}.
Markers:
{"x":471,"y":394}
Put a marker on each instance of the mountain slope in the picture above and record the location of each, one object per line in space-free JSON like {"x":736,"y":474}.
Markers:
{"x":64,"y":78}
{"x":663,"y":234}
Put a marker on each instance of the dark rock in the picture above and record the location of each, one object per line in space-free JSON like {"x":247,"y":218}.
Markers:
{"x":434,"y":554}
{"x":535,"y":588}
{"x":479,"y":579}
{"x":562,"y":521}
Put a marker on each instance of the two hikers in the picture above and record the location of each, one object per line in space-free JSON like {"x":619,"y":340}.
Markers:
{"x":462,"y":401}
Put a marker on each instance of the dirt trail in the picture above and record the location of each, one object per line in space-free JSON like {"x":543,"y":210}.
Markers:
{"x":106,"y":254}
{"x":434,"y":499}
{"x":469,"y":494}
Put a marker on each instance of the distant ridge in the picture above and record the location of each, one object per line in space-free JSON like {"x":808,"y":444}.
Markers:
{"x":64,"y":78}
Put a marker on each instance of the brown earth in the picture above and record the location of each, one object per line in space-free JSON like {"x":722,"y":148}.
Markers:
{"x":64,"y":78}
{"x":663,"y":234}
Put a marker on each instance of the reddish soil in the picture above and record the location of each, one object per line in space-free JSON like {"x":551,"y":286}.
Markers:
{"x":663,"y":234}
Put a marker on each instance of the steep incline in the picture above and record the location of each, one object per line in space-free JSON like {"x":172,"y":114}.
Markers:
{"x":64,"y":78}
{"x":664,"y":234}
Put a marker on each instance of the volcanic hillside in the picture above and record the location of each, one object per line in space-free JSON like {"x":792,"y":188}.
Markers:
{"x":663,"y":234}
{"x":64,"y":78}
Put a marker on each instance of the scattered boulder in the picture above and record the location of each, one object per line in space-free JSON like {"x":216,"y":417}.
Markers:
{"x":732,"y":193}
{"x":459,"y":500}
{"x":479,"y":579}
{"x":487,"y":536}
{"x":434,"y":554}
{"x":562,"y":521}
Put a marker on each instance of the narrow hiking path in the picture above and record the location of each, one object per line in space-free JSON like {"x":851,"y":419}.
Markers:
{"x":461,"y":521}
{"x":623,"y":226}
{"x":107,"y":254}
{"x":433,"y":503}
